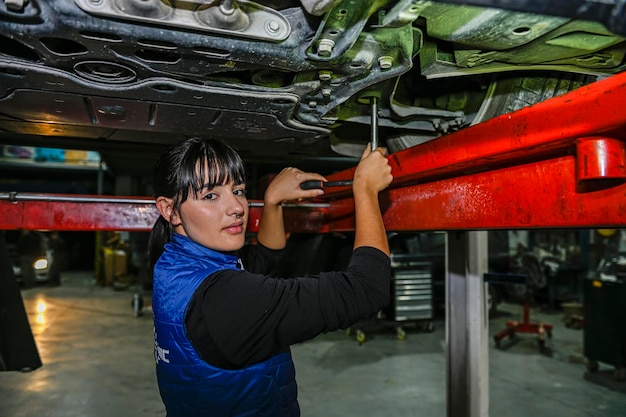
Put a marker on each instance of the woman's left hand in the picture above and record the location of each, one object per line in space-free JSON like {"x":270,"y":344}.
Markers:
{"x":286,"y":186}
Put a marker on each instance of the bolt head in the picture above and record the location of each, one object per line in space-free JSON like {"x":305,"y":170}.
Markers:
{"x":273,"y":26}
{"x":385,"y":62}
{"x":325,"y":75}
{"x":325,"y":47}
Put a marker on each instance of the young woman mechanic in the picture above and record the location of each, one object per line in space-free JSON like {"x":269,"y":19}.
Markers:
{"x":222,"y":325}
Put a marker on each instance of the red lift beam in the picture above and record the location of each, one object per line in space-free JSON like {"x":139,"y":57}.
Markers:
{"x":560,"y":163}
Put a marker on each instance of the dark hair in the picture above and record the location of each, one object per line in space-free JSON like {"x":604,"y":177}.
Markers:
{"x":191,"y":165}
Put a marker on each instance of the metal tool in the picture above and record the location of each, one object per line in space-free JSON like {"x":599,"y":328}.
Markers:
{"x":374,"y":124}
{"x":313,"y":184}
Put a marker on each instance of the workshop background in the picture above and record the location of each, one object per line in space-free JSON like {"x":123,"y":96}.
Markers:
{"x":505,"y":126}
{"x":557,"y":319}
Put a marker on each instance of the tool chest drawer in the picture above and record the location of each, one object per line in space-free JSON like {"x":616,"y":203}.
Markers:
{"x":412,"y":292}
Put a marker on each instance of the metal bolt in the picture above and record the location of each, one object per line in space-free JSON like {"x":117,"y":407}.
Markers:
{"x":325,"y":75}
{"x":15,"y":5}
{"x":273,"y":26}
{"x":325,"y":47}
{"x":326,"y":92}
{"x":385,"y":62}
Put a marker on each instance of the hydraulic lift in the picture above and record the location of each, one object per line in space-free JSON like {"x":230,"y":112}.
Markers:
{"x":558,"y":164}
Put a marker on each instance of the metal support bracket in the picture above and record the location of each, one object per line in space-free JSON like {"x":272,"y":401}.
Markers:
{"x":242,"y":18}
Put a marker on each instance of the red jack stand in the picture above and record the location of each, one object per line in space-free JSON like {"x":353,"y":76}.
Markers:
{"x":525,"y":326}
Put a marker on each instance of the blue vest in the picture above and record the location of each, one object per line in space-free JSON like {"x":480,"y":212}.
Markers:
{"x":189,"y":386}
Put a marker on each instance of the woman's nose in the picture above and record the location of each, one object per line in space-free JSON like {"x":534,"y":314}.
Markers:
{"x":237,"y":207}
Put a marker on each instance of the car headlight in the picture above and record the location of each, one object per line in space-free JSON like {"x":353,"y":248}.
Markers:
{"x":41,"y":263}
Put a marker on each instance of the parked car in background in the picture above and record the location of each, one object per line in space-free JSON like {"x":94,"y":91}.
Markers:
{"x":41,"y":256}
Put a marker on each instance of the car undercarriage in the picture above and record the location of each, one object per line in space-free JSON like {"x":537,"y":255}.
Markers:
{"x":281,"y":80}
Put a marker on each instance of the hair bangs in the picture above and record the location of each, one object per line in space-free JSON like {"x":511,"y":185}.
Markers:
{"x":207,"y":165}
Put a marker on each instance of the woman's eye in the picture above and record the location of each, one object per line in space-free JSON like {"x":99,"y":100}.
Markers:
{"x":240,"y":192}
{"x":210,"y":196}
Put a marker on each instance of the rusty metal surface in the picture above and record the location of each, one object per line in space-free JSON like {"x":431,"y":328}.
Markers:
{"x":535,"y":195}
{"x":102,"y":213}
{"x":76,"y":212}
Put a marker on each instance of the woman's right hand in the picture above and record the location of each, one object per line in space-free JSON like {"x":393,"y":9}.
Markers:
{"x":373,"y":173}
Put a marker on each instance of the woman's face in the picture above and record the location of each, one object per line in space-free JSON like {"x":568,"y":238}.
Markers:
{"x":216,"y":218}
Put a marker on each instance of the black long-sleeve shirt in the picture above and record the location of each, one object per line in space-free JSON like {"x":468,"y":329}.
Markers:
{"x":237,"y":318}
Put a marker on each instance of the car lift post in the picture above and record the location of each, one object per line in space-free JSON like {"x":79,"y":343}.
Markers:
{"x":558,"y":164}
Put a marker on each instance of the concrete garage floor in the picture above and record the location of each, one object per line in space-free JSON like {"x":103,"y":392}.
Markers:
{"x":98,"y":362}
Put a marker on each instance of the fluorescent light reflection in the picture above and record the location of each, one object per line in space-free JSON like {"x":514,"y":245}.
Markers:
{"x":40,"y":309}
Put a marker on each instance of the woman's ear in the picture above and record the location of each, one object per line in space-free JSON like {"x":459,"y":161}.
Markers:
{"x":166,"y":208}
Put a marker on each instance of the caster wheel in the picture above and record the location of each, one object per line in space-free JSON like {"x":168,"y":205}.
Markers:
{"x":592,"y":366}
{"x":360,"y":336}
{"x":137,"y":304}
{"x":428,"y":326}
{"x":541,"y":343}
{"x":400,"y":333}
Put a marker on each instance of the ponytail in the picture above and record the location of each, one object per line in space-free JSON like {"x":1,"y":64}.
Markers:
{"x":159,"y":236}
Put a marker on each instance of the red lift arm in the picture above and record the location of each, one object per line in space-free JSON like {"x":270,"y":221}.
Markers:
{"x":560,"y":163}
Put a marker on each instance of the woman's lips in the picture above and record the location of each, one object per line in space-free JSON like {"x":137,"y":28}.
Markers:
{"x":234,"y":228}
